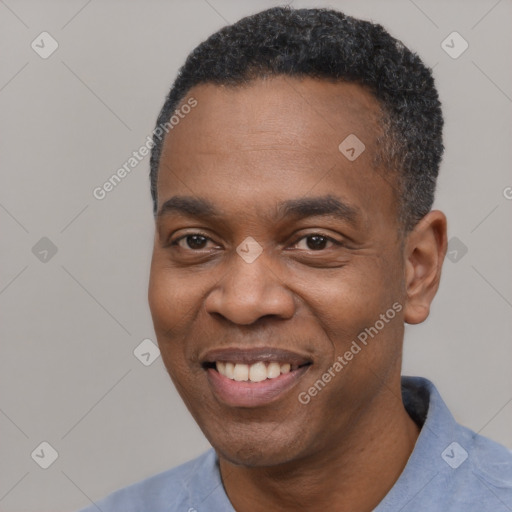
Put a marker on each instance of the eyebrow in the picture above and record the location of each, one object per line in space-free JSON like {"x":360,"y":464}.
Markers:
{"x":328,"y":205}
{"x":190,"y":206}
{"x":301,"y":208}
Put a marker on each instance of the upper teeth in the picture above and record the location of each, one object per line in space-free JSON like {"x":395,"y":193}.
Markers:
{"x":252,"y":372}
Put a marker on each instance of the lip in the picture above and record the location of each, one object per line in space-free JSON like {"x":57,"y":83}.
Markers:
{"x":254,"y":355}
{"x":253,"y":394}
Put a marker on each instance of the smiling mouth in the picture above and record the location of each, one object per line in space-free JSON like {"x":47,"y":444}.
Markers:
{"x":253,"y":377}
{"x":255,"y":372}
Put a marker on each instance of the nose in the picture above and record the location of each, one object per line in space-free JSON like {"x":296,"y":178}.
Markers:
{"x":250,"y":291}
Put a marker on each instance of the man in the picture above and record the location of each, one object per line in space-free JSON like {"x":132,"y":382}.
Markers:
{"x":293,"y":175}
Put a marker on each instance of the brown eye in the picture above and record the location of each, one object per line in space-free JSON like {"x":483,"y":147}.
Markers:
{"x":315,"y":242}
{"x":194,"y":242}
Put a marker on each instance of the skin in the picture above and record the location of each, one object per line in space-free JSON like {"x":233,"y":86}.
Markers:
{"x":246,"y":149}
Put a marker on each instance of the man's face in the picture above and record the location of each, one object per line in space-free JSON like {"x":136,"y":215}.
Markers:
{"x":261,"y":155}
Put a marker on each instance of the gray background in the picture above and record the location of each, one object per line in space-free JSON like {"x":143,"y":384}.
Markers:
{"x":70,"y":324}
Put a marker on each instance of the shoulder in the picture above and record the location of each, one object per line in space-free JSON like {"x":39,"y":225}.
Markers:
{"x":479,"y":473}
{"x":492,"y":462}
{"x":165,"y":491}
{"x":451,"y":467}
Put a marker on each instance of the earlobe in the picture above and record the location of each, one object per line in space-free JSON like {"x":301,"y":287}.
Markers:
{"x":425,"y":249}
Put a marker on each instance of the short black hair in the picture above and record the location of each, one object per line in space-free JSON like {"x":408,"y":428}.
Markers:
{"x":327,"y":44}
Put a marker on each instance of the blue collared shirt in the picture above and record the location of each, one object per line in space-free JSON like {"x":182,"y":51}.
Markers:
{"x":450,"y":469}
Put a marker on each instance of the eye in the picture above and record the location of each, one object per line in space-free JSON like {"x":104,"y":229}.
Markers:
{"x":193,"y":241}
{"x":315,"y":242}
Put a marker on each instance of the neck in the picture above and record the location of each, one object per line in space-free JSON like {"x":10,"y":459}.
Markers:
{"x":354,"y":472}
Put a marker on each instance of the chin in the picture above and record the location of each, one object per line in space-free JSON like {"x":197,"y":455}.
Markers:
{"x":261,"y":449}
{"x":253,"y":456}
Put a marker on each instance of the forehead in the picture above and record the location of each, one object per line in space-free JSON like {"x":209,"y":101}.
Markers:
{"x":278,"y":137}
{"x":315,"y":113}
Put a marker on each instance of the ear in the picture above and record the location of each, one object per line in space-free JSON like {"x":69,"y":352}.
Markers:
{"x":425,"y":249}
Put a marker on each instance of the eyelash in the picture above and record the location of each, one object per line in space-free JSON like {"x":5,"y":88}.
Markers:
{"x":328,"y":238}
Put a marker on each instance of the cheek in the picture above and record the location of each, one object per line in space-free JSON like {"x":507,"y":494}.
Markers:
{"x":348,"y":302}
{"x":347,"y":298}
{"x":175,"y":298}
{"x":172,"y":298}
{"x":169,"y":305}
